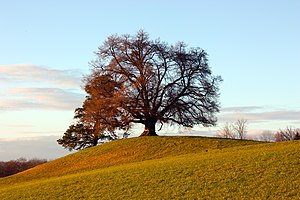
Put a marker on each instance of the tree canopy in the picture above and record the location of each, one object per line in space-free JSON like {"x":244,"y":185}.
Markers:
{"x":96,"y":120}
{"x":138,"y":80}
{"x":159,"y":82}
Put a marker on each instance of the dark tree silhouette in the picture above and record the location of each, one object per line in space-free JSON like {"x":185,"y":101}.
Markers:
{"x":157,"y":82}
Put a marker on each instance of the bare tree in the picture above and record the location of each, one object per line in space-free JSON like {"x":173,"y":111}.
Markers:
{"x":240,"y":126}
{"x":226,"y":132}
{"x":288,"y":134}
{"x":235,"y":130}
{"x":159,"y":83}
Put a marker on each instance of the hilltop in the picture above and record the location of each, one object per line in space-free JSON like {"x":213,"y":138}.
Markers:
{"x":163,"y":168}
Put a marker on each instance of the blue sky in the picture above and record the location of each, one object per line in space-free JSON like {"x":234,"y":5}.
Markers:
{"x":45,"y":48}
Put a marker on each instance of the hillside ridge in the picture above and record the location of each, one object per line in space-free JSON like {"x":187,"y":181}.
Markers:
{"x":126,"y":151}
{"x":165,"y":168}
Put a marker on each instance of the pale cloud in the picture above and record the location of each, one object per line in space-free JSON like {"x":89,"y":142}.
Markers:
{"x":258,"y":114}
{"x":42,"y":98}
{"x":31,"y":87}
{"x":36,"y":101}
{"x":297,"y":122}
{"x":27,"y":73}
{"x":10,"y":104}
{"x":241,"y":109}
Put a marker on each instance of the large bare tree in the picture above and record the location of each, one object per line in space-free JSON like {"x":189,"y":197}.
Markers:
{"x":159,"y":82}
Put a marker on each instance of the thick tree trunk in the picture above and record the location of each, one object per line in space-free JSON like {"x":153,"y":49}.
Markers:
{"x":149,"y":128}
{"x":95,"y":141}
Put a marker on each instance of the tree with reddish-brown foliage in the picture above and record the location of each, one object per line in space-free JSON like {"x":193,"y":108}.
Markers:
{"x":97,"y":119}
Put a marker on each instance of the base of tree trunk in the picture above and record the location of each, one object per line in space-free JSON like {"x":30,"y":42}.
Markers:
{"x":148,"y":133}
{"x":150,"y":127}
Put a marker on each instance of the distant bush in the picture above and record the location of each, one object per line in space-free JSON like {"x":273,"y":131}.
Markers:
{"x":15,"y":166}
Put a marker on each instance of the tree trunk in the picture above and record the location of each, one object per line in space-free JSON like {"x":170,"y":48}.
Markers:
{"x":149,"y":128}
{"x":95,"y":140}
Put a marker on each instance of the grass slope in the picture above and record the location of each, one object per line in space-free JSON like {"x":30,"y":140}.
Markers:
{"x":165,"y":168}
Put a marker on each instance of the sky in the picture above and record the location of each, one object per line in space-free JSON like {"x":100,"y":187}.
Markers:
{"x":46,"y":47}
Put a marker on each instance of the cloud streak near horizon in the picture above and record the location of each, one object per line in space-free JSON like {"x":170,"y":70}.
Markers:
{"x":257,"y":114}
{"x":28,"y":73}
{"x":31,"y":87}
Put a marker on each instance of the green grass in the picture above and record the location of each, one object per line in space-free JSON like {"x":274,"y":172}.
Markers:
{"x":165,"y":168}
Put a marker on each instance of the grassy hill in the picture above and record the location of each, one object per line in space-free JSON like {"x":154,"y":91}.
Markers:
{"x":165,"y":168}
